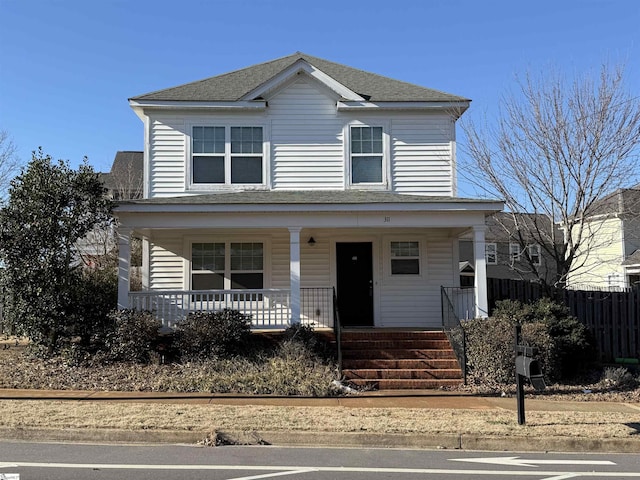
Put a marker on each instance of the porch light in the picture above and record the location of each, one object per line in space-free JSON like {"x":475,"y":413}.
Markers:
{"x":311,"y":242}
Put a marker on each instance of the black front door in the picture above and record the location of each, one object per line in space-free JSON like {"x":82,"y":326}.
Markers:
{"x":354,"y":275}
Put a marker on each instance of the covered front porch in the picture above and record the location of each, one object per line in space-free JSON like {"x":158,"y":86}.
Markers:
{"x":374,"y":258}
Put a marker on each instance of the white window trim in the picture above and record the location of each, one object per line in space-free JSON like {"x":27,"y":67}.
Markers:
{"x":386,"y":156}
{"x":227,"y":186}
{"x":495,"y":253}
{"x":227,"y":240}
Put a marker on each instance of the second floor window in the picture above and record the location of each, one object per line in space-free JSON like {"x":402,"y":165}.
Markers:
{"x":366,"y":155}
{"x":227,"y":155}
{"x":491,"y":254}
{"x":534,"y":254}
{"x":514,"y":252}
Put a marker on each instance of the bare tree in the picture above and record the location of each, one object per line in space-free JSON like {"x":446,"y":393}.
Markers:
{"x":558,"y":147}
{"x":9,"y":163}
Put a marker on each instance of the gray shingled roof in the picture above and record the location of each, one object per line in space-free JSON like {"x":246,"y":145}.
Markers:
{"x":633,"y":259}
{"x":234,"y":85}
{"x":301,"y":197}
{"x":129,"y":164}
{"x":623,"y":200}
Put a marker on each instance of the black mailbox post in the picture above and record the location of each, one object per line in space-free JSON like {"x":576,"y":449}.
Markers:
{"x":526,"y":367}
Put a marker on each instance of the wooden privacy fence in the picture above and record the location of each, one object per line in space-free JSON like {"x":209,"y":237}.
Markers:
{"x":613,"y":318}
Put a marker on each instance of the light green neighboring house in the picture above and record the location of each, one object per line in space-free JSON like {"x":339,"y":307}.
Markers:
{"x":613,"y":244}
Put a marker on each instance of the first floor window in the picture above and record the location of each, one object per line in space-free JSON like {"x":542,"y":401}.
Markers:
{"x":491,"y":254}
{"x":227,"y":266}
{"x":366,"y":155}
{"x":405,"y":258}
{"x":227,"y":155}
{"x":246,"y":266}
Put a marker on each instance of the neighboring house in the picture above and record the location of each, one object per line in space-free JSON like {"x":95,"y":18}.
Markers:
{"x":268,"y":187}
{"x":610,"y":257}
{"x":125,"y":179}
{"x":513,"y":255}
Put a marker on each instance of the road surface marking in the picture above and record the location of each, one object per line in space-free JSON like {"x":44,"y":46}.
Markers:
{"x":277,"y":474}
{"x":517,"y":462}
{"x":290,"y":468}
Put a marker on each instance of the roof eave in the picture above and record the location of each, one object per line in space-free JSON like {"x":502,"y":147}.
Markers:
{"x":458,"y":107}
{"x":442,"y":206}
{"x":140,"y":106}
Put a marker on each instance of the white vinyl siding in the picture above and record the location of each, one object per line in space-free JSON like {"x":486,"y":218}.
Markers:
{"x":422,"y":157}
{"x":305,"y":145}
{"x":306,"y":139}
{"x":166,"y":266}
{"x":408,"y":302}
{"x":166,"y":154}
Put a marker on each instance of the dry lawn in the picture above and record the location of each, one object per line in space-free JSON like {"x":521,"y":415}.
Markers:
{"x":249,"y":418}
{"x":209,"y":418}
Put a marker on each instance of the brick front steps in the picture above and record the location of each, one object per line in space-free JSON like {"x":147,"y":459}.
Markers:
{"x":396,"y":360}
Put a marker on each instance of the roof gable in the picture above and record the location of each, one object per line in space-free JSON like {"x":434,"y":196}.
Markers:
{"x":239,"y":84}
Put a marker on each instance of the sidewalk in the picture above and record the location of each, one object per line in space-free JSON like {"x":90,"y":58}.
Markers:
{"x":427,"y":399}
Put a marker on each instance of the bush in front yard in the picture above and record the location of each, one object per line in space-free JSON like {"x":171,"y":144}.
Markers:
{"x":132,"y":336}
{"x":204,"y":335}
{"x":562,"y":341}
{"x":571,"y":347}
{"x":490,"y":350}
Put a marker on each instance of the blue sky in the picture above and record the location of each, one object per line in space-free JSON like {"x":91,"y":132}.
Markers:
{"x":67,"y":67}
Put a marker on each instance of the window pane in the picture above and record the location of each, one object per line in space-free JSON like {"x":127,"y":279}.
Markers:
{"x":366,"y":169}
{"x":246,"y":256}
{"x":208,"y":139}
{"x":405,"y":266}
{"x":246,"y":280}
{"x":405,"y":249}
{"x":207,"y":281}
{"x":208,"y":169}
{"x":246,"y":170}
{"x":246,"y":140}
{"x":366,"y":139}
{"x":207,"y":256}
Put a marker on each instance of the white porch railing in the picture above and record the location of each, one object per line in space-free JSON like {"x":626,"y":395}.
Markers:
{"x":269,"y":308}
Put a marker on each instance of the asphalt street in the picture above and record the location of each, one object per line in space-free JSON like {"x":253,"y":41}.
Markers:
{"x":64,"y":461}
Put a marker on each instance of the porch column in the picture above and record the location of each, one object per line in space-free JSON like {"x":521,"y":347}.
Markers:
{"x":294,"y":272}
{"x":124,"y":257}
{"x":480,"y":266}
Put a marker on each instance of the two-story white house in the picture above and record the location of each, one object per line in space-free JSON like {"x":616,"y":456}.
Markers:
{"x":269,"y":188}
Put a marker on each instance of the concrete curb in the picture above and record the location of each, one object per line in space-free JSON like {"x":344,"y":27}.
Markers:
{"x":329,"y":439}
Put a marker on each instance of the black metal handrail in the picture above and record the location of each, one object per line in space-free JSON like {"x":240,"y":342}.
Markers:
{"x":337,"y":328}
{"x":455,"y":333}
